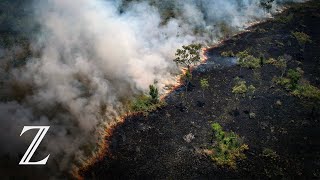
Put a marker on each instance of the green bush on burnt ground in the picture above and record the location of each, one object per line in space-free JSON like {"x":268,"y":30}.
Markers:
{"x":281,"y":63}
{"x":248,"y":61}
{"x":145,"y":103}
{"x":307,"y":91}
{"x":302,"y":38}
{"x":228,"y":147}
{"x":204,"y":83}
{"x":292,"y":82}
{"x":240,"y":87}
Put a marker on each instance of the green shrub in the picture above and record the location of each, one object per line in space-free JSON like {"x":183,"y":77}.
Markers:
{"x":294,"y":75}
{"x":242,"y":54}
{"x":145,"y":105}
{"x":301,"y":90}
{"x":302,"y":38}
{"x":307,"y":91}
{"x":154,"y":93}
{"x":204,"y":83}
{"x":141,"y":103}
{"x":271,"y":61}
{"x":282,"y":81}
{"x":251,"y":89}
{"x":228,"y":147}
{"x":248,"y":61}
{"x":291,"y":81}
{"x":280,"y":63}
{"x":240,"y":88}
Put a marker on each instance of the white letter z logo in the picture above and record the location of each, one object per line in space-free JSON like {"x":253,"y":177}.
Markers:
{"x":34,"y":145}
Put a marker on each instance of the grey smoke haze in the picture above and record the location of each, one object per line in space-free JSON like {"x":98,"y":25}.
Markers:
{"x":93,"y":55}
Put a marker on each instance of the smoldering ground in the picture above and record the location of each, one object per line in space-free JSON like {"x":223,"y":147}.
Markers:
{"x":86,"y":58}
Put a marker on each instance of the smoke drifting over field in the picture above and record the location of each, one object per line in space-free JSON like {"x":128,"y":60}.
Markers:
{"x":91,"y":55}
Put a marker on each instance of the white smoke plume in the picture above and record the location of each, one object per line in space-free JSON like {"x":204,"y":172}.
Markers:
{"x":91,"y":55}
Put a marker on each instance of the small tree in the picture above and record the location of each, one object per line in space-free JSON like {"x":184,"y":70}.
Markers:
{"x":154,"y":93}
{"x":240,"y":88}
{"x":204,"y":85}
{"x":188,"y":56}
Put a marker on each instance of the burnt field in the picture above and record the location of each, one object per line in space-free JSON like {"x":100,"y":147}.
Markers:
{"x":280,"y":128}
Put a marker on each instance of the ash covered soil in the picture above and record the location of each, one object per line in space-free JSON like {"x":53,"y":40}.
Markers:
{"x":154,"y":147}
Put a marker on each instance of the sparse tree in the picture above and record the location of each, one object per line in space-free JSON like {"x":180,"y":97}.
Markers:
{"x":204,"y":85}
{"x":186,"y":57}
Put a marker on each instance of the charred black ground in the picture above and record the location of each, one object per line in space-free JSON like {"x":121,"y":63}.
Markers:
{"x":152,"y":146}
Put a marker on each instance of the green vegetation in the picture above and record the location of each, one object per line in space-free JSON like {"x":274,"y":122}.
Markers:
{"x":302,"y":38}
{"x":228,"y":147}
{"x":146,"y":104}
{"x":240,"y":88}
{"x":154,"y":93}
{"x":280,"y":63}
{"x":251,"y":90}
{"x":227,"y":54}
{"x":307,"y":91}
{"x":290,"y":82}
{"x":188,"y":55}
{"x":204,"y":85}
{"x":300,"y":89}
{"x":248,"y":61}
{"x":271,"y":61}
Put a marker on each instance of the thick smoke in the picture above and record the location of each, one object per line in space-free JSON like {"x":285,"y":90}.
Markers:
{"x":92,"y":55}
